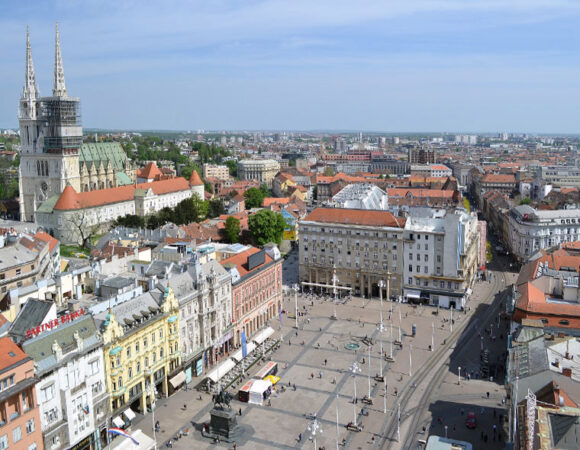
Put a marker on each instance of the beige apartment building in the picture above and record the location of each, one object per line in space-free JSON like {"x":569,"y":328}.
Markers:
{"x":213,"y":170}
{"x":263,"y":170}
{"x":363,"y":246}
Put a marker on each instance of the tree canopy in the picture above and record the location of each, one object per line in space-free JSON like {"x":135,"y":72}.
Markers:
{"x":266,"y":226}
{"x":254,"y":198}
{"x":232,"y":229}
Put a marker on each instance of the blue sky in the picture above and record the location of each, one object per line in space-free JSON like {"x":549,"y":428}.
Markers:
{"x":393,"y":66}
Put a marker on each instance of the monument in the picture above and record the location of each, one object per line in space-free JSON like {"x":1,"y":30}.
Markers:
{"x":223,"y":424}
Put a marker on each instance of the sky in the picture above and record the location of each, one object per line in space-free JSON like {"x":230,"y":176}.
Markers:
{"x":385,"y":65}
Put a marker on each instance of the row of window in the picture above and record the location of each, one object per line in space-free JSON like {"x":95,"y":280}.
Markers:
{"x":436,"y":284}
{"x":17,"y":435}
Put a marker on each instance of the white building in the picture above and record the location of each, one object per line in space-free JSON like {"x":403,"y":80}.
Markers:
{"x":431,"y":170}
{"x":71,"y":387}
{"x":530,"y":230}
{"x":204,"y":293}
{"x":263,"y":170}
{"x":441,"y":252}
{"x":360,"y":196}
{"x":563,"y":176}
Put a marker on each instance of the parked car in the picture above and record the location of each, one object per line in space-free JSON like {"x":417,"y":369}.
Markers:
{"x":471,"y":421}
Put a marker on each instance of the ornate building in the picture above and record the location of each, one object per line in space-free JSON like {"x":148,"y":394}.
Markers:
{"x":52,"y":151}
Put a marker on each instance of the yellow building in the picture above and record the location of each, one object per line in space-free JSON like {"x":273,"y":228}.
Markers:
{"x":141,"y":350}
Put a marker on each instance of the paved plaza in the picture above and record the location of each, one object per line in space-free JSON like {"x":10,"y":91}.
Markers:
{"x":316,"y":359}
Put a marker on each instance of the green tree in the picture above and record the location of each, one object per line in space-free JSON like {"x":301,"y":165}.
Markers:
{"x":525,"y":201}
{"x":264,"y":190}
{"x":315,"y":193}
{"x":130,"y":221}
{"x":215,"y":208}
{"x":191,"y":209}
{"x":266,"y":226}
{"x":232,"y":229}
{"x":232,"y":167}
{"x":253,"y":198}
{"x":329,"y":172}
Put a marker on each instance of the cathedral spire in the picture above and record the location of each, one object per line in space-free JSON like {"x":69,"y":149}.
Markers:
{"x":30,"y":89}
{"x":59,"y":88}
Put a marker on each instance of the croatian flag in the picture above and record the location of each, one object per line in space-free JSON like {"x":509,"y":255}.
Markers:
{"x":123,"y":433}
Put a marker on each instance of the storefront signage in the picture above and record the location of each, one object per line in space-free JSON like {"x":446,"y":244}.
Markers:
{"x":54,"y":323}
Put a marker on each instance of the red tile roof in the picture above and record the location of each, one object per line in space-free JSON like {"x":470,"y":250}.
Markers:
{"x":402,"y":192}
{"x":150,"y":171}
{"x":355,"y":217}
{"x":71,"y":199}
{"x":496,"y":178}
{"x":10,"y":353}
{"x":268,"y":201}
{"x":194,"y":179}
{"x":241,"y":261}
{"x":45,"y":237}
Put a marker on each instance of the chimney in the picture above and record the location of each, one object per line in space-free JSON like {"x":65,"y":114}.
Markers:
{"x":567,"y":372}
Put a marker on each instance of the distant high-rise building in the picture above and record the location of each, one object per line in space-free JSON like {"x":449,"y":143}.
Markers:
{"x":421,"y":156}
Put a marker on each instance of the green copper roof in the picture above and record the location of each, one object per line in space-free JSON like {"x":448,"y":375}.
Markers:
{"x":94,"y":152}
{"x":123,"y":179}
{"x":48,"y":205}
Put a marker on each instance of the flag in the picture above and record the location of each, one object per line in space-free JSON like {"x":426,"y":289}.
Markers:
{"x":123,"y":433}
{"x":86,"y":409}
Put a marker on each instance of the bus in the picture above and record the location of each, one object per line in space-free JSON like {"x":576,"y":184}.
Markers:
{"x":244,"y":392}
{"x":271,"y":368}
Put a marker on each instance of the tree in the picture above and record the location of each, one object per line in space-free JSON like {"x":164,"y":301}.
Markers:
{"x":315,"y":193}
{"x":254,"y":198}
{"x":191,"y":209}
{"x":216,"y":208}
{"x":266,"y":226}
{"x":81,"y":228}
{"x":525,"y":201}
{"x":264,"y":190}
{"x":329,"y":172}
{"x":130,"y":221}
{"x":232,"y":167}
{"x":232,"y":229}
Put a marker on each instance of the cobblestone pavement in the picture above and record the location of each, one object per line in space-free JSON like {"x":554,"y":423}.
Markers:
{"x":316,"y":360}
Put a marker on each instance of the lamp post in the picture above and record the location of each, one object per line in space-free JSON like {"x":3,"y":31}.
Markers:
{"x":385,"y":397}
{"x":354,"y":369}
{"x":398,"y":422}
{"x":445,"y":431}
{"x":369,"y":373}
{"x":432,"y":336}
{"x":152,"y":392}
{"x":336,"y":403}
{"x":458,"y":374}
{"x":314,"y":428}
{"x":381,"y":284}
{"x":451,"y":320}
{"x":391,"y":351}
{"x":410,"y":360}
{"x":481,"y":340}
{"x":334,"y":281}
{"x":296,"y":304}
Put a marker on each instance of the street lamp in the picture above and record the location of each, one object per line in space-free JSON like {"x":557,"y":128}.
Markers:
{"x":314,"y":428}
{"x":296,"y":304}
{"x":410,"y":360}
{"x":354,"y":369}
{"x":459,"y":375}
{"x":152,"y":393}
{"x":334,"y":281}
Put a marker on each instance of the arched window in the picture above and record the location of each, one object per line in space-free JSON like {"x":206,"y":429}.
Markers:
{"x":45,"y":168}
{"x":38,"y":167}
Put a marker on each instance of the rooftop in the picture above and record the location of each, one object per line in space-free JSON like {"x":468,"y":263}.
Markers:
{"x":10,"y":354}
{"x":355,"y":217}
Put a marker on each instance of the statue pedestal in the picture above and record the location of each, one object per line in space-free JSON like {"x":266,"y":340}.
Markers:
{"x":224,"y":424}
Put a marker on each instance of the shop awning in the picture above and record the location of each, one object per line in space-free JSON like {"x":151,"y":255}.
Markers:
{"x":177,"y":379}
{"x":237,"y":356}
{"x":118,"y":421}
{"x":250,"y":346}
{"x":123,"y":443}
{"x":129,"y":414}
{"x":221,"y":370}
{"x":263,"y":335}
{"x":413,"y":294}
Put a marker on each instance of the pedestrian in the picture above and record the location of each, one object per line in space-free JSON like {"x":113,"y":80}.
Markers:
{"x":240,"y":411}
{"x":487,"y":393}
{"x":294,"y":387}
{"x":320,"y":375}
{"x":235,"y":446}
{"x":299,"y":437}
{"x":395,"y":392}
{"x":184,"y":406}
{"x":325,"y":362}
{"x":312,"y":375}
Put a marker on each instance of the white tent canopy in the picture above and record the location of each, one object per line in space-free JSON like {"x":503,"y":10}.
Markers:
{"x":263,"y":335}
{"x":123,"y":443}
{"x":221,"y":370}
{"x":129,"y":414}
{"x":257,"y":390}
{"x":177,"y":379}
{"x":119,"y":422}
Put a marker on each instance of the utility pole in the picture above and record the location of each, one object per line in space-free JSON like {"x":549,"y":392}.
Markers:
{"x":410,"y":360}
{"x":432,"y":336}
{"x":296,"y":303}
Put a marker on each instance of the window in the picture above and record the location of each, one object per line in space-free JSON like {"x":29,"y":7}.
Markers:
{"x":426,"y":258}
{"x":442,"y":284}
{"x":16,"y":434}
{"x":136,"y":347}
{"x":18,"y":271}
{"x":564,"y":322}
{"x":30,"y":426}
{"x":449,"y":285}
{"x":32,"y":446}
{"x":418,"y":269}
{"x":3,"y":442}
{"x":25,"y":405}
{"x":47,"y":393}
{"x":410,"y":257}
{"x":410,"y":281}
{"x":128,"y":352}
{"x":94,"y":367}
{"x":426,"y":246}
{"x":425,"y":269}
{"x":410,"y":268}
{"x":418,"y":282}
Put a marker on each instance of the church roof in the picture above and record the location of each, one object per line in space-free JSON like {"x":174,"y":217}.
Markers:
{"x":194,"y":179}
{"x":94,"y":152}
{"x":150,"y":171}
{"x":71,"y":199}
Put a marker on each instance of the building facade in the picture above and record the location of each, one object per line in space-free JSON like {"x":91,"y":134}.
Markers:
{"x":256,"y":289}
{"x":531,"y":230}
{"x":421,"y":156}
{"x":19,"y":412}
{"x":71,"y":388}
{"x":216,"y":171}
{"x":52,"y":154}
{"x":141,"y":350}
{"x":205,"y":308}
{"x":441,"y":253}
{"x":363,"y":246}
{"x":262,"y":170}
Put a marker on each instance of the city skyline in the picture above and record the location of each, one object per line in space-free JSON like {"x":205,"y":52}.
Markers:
{"x":398,"y":67}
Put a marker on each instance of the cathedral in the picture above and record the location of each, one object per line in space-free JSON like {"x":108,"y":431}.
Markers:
{"x":53,"y":155}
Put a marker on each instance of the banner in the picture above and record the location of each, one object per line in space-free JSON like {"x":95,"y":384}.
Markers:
{"x":244,"y":345}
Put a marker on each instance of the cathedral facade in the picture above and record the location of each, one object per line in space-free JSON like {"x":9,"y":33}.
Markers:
{"x":53,"y":155}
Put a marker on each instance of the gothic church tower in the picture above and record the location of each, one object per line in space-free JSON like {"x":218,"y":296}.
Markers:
{"x":51,"y":136}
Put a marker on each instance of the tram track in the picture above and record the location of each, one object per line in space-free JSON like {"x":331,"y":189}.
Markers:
{"x":388,"y":432}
